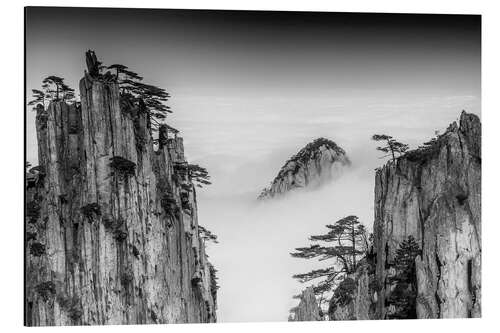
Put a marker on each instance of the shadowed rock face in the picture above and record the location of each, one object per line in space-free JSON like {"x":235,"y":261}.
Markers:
{"x":308,"y":309}
{"x":112,"y":228}
{"x":317,"y":163}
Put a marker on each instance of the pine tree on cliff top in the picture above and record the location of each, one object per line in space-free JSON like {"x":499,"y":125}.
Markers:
{"x":133,"y":89}
{"x":349,"y":243}
{"x":53,"y":89}
{"x":58,"y":89}
{"x":38,"y":97}
{"x":124,"y":73}
{"x":392,"y":147}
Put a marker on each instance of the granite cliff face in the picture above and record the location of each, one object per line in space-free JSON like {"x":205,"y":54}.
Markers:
{"x":434,"y":195}
{"x":316,"y":163}
{"x":360,"y":300}
{"x":112,"y":230}
{"x":308,"y":308}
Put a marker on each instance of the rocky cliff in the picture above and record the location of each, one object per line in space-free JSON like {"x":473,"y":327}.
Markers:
{"x":432,"y":194}
{"x":111,"y":229}
{"x":315,"y":164}
{"x":308,"y":308}
{"x":354,"y":299}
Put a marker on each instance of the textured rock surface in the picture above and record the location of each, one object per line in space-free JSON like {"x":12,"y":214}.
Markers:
{"x":361,"y":300}
{"x":316,"y":163}
{"x":435,"y":196}
{"x":308,"y":309}
{"x":112,"y":230}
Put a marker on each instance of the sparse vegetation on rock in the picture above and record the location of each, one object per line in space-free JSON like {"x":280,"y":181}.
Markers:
{"x":122,"y":165}
{"x":54,"y":89}
{"x":404,"y":282}
{"x":91,"y":210}
{"x":345,"y":243}
{"x":311,"y":166}
{"x":207,"y":235}
{"x":392,"y":146}
{"x":37,"y":249}
{"x":199,"y":175}
{"x":134,"y":93}
{"x":46,"y":290}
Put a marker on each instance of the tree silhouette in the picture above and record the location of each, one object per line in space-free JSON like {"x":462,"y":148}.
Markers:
{"x":153,"y":97}
{"x":207,"y":235}
{"x":124,"y":75}
{"x":118,"y":68}
{"x":404,"y":294}
{"x":56,"y":89}
{"x":133,"y":89}
{"x":349,"y":241}
{"x":392,"y":146}
{"x":198,"y":174}
{"x":38,"y":98}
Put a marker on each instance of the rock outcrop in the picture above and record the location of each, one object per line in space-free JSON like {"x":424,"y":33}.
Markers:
{"x":354,"y":298}
{"x":308,"y":308}
{"x":315,"y":164}
{"x":432,"y":194}
{"x":111,"y":229}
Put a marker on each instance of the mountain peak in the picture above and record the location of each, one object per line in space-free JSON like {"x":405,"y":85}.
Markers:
{"x":315,"y":164}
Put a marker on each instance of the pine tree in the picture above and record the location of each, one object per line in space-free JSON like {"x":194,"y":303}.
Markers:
{"x":124,"y":73}
{"x":38,"y":98}
{"x":392,"y":146}
{"x":134,"y":90}
{"x":199,"y":175}
{"x":404,"y":295}
{"x":349,"y":241}
{"x":56,"y":89}
{"x":207,"y":235}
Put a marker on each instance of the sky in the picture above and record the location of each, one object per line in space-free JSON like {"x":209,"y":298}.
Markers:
{"x":249,"y":89}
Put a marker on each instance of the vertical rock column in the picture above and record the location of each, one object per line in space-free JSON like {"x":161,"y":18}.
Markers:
{"x":48,"y":206}
{"x":113,"y":230}
{"x":434,"y":195}
{"x":308,"y":308}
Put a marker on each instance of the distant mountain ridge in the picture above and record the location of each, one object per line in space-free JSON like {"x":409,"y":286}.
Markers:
{"x":316,"y":163}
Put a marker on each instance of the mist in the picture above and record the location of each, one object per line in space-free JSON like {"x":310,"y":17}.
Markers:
{"x":256,"y":237}
{"x":250,"y":89}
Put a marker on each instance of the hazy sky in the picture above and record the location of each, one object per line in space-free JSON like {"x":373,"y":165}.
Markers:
{"x":251,"y":88}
